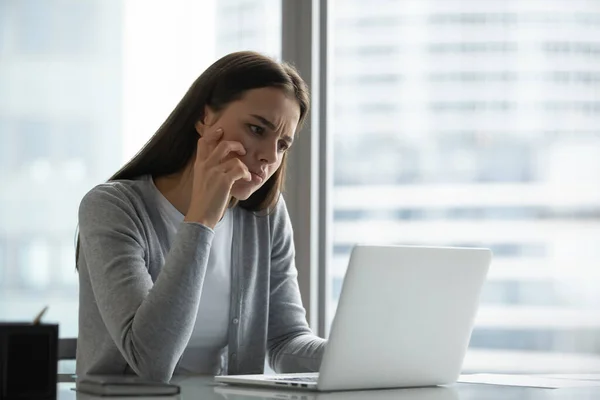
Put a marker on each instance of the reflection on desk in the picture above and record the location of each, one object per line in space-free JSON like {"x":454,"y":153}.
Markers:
{"x":204,"y":388}
{"x":433,"y":393}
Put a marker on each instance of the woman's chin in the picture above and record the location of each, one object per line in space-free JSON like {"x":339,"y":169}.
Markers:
{"x":242,"y":190}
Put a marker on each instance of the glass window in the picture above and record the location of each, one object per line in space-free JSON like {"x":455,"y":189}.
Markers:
{"x":2,"y":261}
{"x":34,"y":264}
{"x":466,"y":124}
{"x":84,"y":86}
{"x":47,"y":27}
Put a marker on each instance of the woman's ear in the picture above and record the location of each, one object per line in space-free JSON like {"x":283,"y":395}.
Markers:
{"x":199,"y":125}
{"x":208,"y":119}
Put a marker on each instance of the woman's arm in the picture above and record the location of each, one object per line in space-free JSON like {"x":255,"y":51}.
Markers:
{"x":150,"y":323}
{"x":292,"y":347}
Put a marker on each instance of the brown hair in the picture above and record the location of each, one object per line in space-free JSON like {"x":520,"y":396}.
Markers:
{"x":170,"y":149}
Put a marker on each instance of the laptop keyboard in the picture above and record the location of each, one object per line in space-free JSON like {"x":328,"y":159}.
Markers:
{"x":298,"y":379}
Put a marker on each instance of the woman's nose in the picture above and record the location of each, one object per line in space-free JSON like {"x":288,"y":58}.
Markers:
{"x":268,"y":153}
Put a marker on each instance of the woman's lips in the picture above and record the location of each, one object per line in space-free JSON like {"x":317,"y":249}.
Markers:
{"x":256,"y":178}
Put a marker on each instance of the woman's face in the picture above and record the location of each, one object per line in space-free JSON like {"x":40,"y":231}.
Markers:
{"x":263,"y":121}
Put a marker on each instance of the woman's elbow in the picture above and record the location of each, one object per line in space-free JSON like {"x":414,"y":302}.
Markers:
{"x":152,"y":368}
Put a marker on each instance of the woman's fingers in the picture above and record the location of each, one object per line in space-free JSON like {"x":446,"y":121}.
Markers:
{"x":235,"y":169}
{"x":207,"y":143}
{"x":223,"y":149}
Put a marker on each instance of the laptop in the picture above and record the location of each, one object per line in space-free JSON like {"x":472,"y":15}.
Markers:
{"x":404,"y":319}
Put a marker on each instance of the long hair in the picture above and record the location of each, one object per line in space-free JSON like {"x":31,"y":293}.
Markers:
{"x":171,"y":148}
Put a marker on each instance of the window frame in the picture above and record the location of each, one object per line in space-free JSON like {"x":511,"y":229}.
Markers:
{"x":305,"y":38}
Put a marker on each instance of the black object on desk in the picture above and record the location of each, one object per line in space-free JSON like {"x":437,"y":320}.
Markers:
{"x":124,"y":385}
{"x":28,"y":361}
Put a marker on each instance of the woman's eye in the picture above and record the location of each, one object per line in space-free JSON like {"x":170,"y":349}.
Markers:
{"x":283,"y":146}
{"x":259,"y":130}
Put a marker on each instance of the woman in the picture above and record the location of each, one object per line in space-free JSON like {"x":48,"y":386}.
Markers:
{"x":186,"y":255}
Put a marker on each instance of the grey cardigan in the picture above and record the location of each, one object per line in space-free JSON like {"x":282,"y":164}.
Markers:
{"x":138,"y":306}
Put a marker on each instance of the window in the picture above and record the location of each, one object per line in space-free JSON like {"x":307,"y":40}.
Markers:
{"x":84,"y":86}
{"x":489,"y":139}
{"x":2,"y":261}
{"x":47,"y":27}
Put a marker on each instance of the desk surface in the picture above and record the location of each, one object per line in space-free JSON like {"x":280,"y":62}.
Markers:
{"x":204,"y":388}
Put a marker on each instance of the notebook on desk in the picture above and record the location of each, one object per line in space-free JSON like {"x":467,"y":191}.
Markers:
{"x":119,"y":385}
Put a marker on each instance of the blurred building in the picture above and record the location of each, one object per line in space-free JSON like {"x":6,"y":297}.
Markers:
{"x":471,"y":123}
{"x":59,"y":134}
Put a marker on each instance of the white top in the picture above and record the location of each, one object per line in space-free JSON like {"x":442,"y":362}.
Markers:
{"x":209,"y":337}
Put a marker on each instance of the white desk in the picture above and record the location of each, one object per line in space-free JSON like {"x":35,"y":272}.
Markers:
{"x":203,"y":388}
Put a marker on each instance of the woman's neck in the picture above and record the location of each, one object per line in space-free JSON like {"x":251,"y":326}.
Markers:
{"x":177,"y":188}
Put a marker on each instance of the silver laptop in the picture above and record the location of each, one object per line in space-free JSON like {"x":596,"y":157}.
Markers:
{"x":404,"y":319}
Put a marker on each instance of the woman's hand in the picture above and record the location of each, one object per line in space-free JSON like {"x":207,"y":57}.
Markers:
{"x":216,"y":169}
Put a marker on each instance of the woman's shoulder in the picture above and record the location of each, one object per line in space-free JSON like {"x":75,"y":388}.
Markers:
{"x":279,"y":211}
{"x":120,"y":195}
{"x":276,"y":217}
